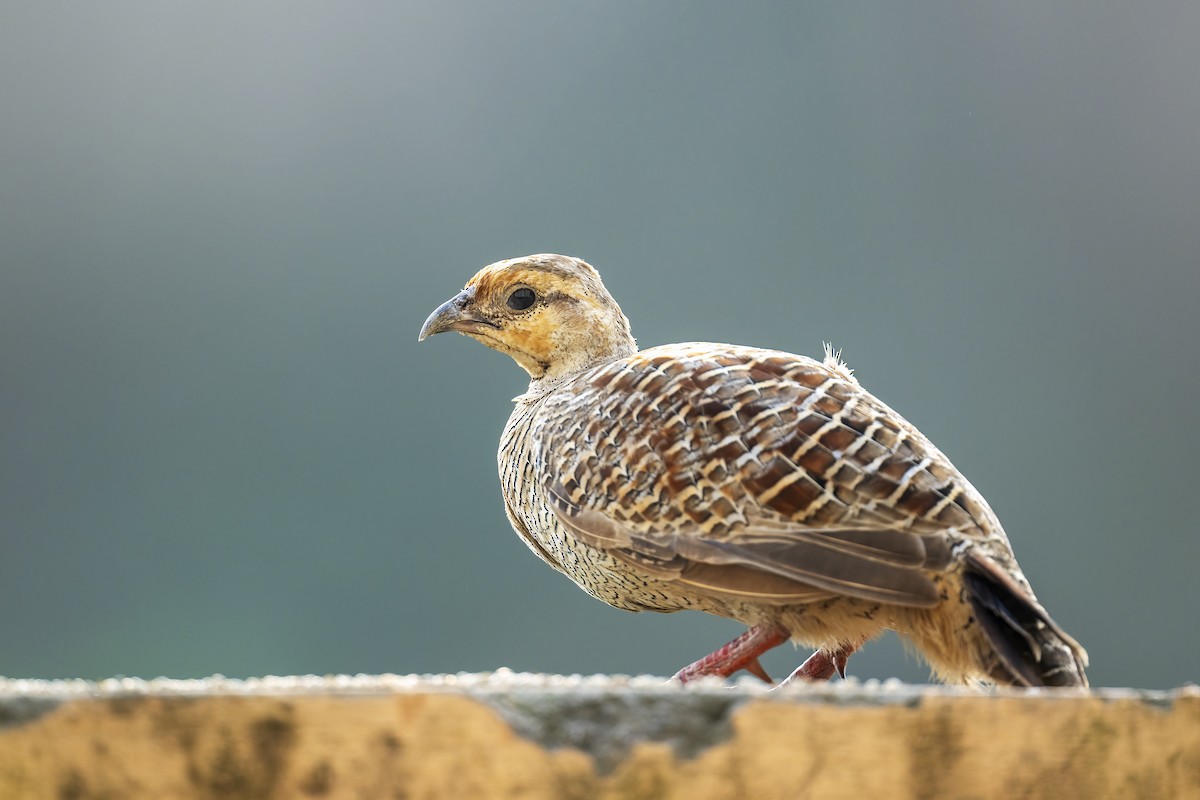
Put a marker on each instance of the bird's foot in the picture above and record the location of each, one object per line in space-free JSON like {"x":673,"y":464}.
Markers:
{"x":822,"y":665}
{"x":741,"y":653}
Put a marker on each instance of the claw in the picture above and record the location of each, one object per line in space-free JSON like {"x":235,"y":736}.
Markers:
{"x":839,"y":663}
{"x":756,"y":669}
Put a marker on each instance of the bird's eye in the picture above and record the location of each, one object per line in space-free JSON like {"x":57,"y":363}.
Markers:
{"x":521,"y":299}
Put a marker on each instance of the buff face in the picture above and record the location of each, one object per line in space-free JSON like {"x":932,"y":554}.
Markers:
{"x":544,"y":311}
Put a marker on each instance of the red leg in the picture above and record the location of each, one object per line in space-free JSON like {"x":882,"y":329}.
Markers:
{"x":741,"y":653}
{"x":821,"y":666}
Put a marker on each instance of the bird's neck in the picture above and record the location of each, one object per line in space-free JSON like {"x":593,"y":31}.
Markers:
{"x":562,"y":371}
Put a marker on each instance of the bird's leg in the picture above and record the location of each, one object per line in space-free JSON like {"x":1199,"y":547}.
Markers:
{"x":819,"y":666}
{"x":822,"y":665}
{"x":741,"y":653}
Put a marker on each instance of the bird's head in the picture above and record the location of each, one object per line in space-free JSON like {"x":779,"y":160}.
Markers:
{"x":551,"y":313}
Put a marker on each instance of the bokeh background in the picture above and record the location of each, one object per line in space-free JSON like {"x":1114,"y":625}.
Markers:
{"x":222,"y":224}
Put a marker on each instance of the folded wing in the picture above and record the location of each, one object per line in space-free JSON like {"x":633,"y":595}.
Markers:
{"x":751,"y":473}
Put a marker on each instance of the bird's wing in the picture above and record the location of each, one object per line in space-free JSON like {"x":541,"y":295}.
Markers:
{"x":751,"y":473}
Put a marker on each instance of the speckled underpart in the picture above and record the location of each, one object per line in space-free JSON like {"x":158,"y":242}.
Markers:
{"x":753,"y":484}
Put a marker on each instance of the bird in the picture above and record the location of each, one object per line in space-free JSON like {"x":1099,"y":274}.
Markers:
{"x":748,"y":483}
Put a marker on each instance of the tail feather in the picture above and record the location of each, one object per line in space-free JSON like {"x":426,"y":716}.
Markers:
{"x":1031,"y":649}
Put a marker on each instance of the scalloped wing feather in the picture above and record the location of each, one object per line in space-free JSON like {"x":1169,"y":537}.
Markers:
{"x":738,"y":463}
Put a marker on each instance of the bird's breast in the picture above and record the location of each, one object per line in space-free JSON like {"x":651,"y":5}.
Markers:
{"x":595,"y":571}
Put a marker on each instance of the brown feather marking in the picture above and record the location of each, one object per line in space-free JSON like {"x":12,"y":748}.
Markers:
{"x":918,"y":502}
{"x":817,"y":461}
{"x":809,"y":377}
{"x":828,"y":405}
{"x":838,"y":439}
{"x":876,"y":486}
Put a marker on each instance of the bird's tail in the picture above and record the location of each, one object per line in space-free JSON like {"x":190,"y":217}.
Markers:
{"x":1030,"y":649}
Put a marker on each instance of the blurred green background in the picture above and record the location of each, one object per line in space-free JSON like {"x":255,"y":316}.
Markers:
{"x":222,"y":224}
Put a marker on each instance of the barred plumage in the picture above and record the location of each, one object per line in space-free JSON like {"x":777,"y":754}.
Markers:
{"x":753,"y":484}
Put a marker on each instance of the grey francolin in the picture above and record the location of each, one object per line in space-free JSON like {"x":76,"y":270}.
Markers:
{"x":758,"y":485}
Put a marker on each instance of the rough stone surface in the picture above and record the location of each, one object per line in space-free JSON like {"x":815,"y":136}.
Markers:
{"x":533,"y":736}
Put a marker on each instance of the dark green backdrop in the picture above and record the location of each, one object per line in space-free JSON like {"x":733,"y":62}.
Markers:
{"x":222,"y":224}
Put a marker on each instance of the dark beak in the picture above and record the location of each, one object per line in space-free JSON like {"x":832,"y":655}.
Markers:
{"x":453,"y":315}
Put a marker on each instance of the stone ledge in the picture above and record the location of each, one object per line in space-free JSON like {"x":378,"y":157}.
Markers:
{"x":533,"y":736}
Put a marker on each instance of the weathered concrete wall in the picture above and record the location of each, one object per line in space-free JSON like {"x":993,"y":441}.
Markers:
{"x":507,"y":735}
